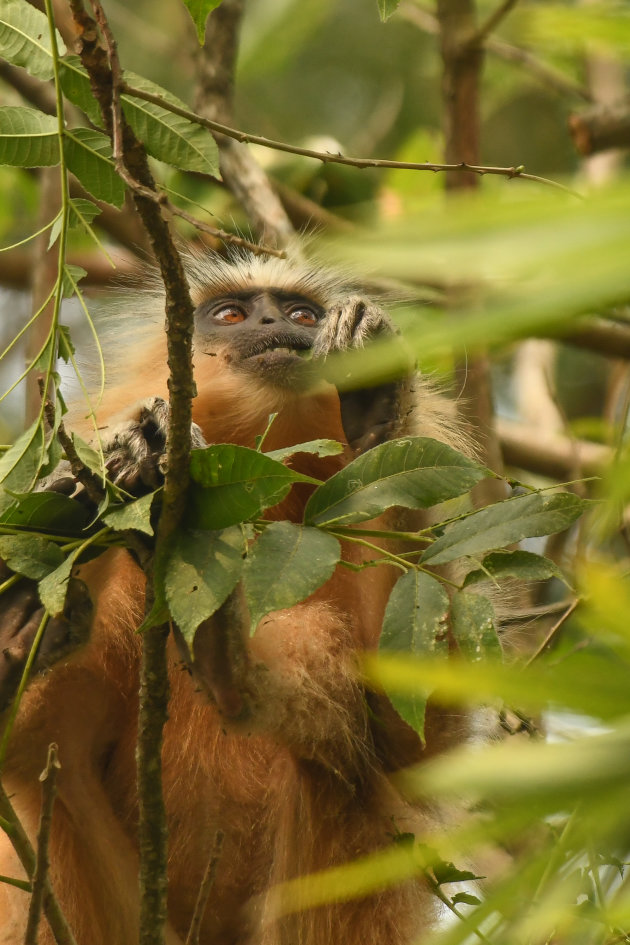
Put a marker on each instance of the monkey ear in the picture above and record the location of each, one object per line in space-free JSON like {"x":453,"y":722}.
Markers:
{"x":371,"y":416}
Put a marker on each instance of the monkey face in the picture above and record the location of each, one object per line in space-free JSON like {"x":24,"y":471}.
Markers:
{"x":266,"y":332}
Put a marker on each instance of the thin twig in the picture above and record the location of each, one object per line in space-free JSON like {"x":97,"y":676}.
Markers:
{"x":326,"y":157}
{"x":554,"y":630}
{"x":204,"y":890}
{"x":22,"y":845}
{"x":256,"y":248}
{"x":484,"y":31}
{"x":552,"y":78}
{"x":91,"y":482}
{"x":40,"y":873}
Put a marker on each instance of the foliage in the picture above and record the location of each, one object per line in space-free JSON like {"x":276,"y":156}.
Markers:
{"x":524,"y":265}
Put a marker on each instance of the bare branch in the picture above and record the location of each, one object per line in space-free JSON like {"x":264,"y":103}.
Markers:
{"x":328,"y":158}
{"x":241,"y":172}
{"x":480,"y":37}
{"x":40,"y":873}
{"x":90,"y":482}
{"x":552,"y":455}
{"x":204,"y":890}
{"x":600,"y":129}
{"x":26,"y":854}
{"x":546,"y":74}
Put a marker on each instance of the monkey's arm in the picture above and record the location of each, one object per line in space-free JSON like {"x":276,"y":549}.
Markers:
{"x":370,"y":415}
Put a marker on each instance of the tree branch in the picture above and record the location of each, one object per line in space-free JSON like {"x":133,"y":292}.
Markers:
{"x":546,"y":74}
{"x":48,"y":778}
{"x":480,"y":37}
{"x":552,"y":455}
{"x":26,"y":854}
{"x":241,"y":172}
{"x":600,"y":129}
{"x":103,"y":68}
{"x":325,"y":157}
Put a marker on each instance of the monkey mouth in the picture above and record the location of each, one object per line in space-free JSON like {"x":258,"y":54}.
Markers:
{"x":278,"y":350}
{"x":281,"y":362}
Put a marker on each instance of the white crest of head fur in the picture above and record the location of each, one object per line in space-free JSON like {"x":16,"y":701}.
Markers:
{"x":211,"y":274}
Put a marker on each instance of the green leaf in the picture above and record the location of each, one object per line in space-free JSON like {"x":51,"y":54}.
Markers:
{"x":66,"y":348}
{"x":505,"y":523}
{"x":472,"y":623}
{"x":52,"y":589}
{"x":49,"y":510}
{"x":286,"y":564}
{"x":72,"y":275}
{"x":415,"y":472}
{"x":201,"y":570}
{"x":166,"y":136}
{"x":386,"y":8}
{"x":234,"y":484}
{"x":199,"y":11}
{"x":446,"y":872}
{"x":28,"y":138}
{"x":523,"y":565}
{"x":415,"y":622}
{"x":30,"y":555}
{"x":25,"y":38}
{"x":20,"y":464}
{"x":81,"y":213}
{"x":75,"y":84}
{"x":319,"y":447}
{"x":135,"y":515}
{"x":415,"y":617}
{"x":89,"y":157}
{"x":466,"y":898}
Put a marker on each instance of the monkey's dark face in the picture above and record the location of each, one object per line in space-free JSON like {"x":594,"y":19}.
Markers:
{"x":268,"y":332}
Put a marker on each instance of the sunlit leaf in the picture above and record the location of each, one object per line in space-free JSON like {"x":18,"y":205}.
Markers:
{"x":386,"y":8}
{"x":199,"y":11}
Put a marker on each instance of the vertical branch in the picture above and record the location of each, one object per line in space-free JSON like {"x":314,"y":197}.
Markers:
{"x":40,"y":873}
{"x":248,"y":182}
{"x":462,"y":56}
{"x":26,"y":854}
{"x":44,"y":279}
{"x":462,"y":59}
{"x":104,"y":70}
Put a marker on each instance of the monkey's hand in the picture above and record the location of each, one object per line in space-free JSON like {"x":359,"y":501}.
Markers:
{"x":136,"y":449}
{"x":20,"y":618}
{"x":351,"y":324}
{"x":370,"y":415}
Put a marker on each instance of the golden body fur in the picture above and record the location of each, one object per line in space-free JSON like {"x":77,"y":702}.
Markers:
{"x":300,"y":786}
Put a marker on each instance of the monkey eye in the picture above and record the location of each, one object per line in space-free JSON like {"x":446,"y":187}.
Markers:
{"x":304,"y":316}
{"x":229,"y":315}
